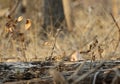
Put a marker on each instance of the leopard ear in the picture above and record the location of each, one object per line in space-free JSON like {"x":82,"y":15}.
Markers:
{"x":20,"y":18}
{"x":27,"y":24}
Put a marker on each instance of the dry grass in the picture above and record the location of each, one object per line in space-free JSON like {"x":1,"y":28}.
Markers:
{"x":90,"y":25}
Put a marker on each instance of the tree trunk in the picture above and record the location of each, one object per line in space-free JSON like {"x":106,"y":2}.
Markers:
{"x":114,"y":8}
{"x":53,"y":13}
{"x":68,"y":14}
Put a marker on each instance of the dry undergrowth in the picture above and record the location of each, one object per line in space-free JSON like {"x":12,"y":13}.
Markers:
{"x":95,"y":37}
{"x":16,"y":39}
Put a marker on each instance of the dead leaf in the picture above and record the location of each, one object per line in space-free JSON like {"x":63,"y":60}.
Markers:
{"x":47,"y":44}
{"x":11,"y":29}
{"x":27,"y":24}
{"x":20,"y":19}
{"x":76,"y":56}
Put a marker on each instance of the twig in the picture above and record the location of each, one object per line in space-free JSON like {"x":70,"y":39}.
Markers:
{"x":95,"y":76}
{"x":86,"y":74}
{"x":76,"y":72}
{"x":115,"y":69}
{"x":14,"y":7}
{"x":118,"y":31}
{"x":55,"y":39}
{"x":117,"y":76}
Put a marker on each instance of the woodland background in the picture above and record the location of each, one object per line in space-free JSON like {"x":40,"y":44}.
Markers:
{"x":59,"y":41}
{"x":88,"y":22}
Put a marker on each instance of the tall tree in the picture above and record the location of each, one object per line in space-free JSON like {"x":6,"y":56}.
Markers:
{"x":68,"y":14}
{"x":114,"y":8}
{"x":55,"y":11}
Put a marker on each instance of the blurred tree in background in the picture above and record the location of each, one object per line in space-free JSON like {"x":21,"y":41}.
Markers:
{"x":53,"y":13}
{"x":56,"y":11}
